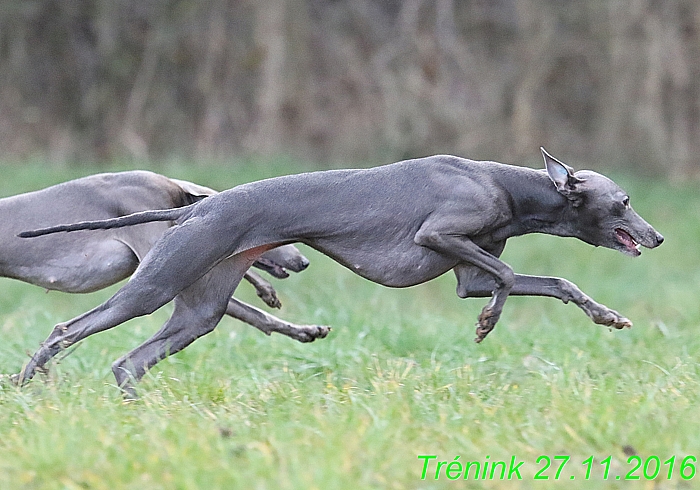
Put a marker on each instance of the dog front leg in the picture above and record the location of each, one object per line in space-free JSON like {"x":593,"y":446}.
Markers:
{"x":568,"y":291}
{"x":264,"y":289}
{"x":463,"y":249}
{"x":474,"y":283}
{"x":267,"y":323}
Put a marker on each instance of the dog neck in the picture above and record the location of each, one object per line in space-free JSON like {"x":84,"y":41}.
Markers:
{"x":536,"y":205}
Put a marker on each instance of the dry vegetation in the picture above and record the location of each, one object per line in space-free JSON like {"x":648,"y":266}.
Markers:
{"x":349,"y":81}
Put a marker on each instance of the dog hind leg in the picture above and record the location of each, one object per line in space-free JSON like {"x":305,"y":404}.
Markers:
{"x":169,"y":268}
{"x":198,"y":310}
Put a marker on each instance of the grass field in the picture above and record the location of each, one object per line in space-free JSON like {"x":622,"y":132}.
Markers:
{"x":398,"y":377}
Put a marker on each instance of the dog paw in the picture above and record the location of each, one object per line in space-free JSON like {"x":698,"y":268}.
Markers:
{"x":610,"y":318}
{"x":129,"y":394}
{"x":487,"y":321}
{"x":614,"y":320}
{"x":602,"y":315}
{"x":18,"y":379}
{"x":621,"y":322}
{"x":309,"y":333}
{"x":269,"y":296}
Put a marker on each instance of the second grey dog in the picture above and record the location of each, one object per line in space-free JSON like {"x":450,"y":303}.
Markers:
{"x":397,"y":225}
{"x":87,"y":261}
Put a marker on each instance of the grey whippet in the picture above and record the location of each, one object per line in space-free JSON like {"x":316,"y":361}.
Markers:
{"x":87,"y":261}
{"x":397,"y":225}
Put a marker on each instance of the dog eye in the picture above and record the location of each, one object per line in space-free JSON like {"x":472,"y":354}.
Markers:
{"x":626,"y":201}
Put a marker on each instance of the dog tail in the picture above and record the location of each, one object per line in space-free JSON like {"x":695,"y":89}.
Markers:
{"x":128,"y":220}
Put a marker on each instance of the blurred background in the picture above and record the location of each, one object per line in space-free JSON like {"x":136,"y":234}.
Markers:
{"x":347,"y":82}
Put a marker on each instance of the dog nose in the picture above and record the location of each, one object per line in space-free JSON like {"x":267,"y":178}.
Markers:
{"x":659,"y":239}
{"x":305,"y":262}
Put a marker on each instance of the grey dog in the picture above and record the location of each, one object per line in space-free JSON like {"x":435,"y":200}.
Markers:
{"x":397,"y":225}
{"x":87,"y":261}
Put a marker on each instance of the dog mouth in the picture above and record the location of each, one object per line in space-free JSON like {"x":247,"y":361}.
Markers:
{"x":631,"y":247}
{"x":272,"y":268}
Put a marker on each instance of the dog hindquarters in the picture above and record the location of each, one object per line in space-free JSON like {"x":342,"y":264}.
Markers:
{"x":174,"y":264}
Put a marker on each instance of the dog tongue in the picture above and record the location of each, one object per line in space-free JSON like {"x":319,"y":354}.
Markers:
{"x":626,"y":239}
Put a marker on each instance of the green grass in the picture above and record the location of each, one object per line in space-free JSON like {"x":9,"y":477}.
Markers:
{"x":399,"y":376}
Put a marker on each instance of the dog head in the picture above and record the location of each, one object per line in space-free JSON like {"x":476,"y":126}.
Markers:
{"x":601,"y":210}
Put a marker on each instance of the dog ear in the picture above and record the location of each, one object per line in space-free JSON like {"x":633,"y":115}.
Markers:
{"x":561,"y":175}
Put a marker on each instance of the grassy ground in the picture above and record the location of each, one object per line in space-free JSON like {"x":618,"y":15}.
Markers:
{"x":398,"y":377}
